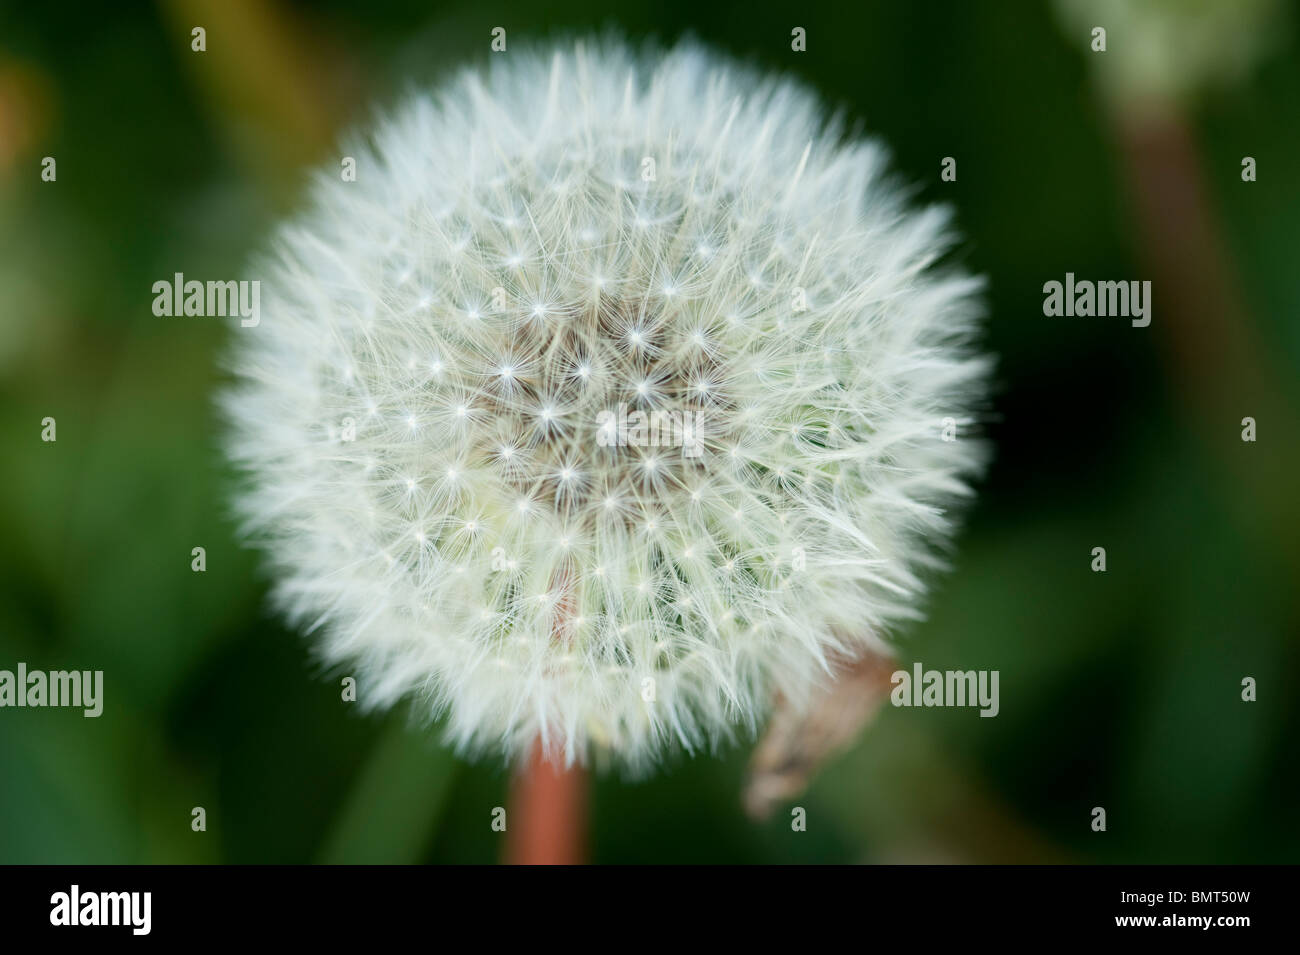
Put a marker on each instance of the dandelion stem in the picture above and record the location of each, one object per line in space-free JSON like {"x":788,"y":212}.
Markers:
{"x":548,"y":810}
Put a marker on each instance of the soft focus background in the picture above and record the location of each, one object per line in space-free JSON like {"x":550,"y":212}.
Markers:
{"x":1119,"y":690}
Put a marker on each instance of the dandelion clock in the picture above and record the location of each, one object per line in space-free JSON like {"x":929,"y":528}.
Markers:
{"x":614,"y":397}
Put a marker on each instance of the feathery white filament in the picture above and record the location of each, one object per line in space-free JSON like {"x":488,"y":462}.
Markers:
{"x":528,"y":254}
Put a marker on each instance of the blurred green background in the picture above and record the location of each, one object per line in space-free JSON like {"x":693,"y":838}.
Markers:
{"x":1119,"y":690}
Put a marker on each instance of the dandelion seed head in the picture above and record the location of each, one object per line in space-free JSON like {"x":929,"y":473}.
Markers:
{"x":518,"y":189}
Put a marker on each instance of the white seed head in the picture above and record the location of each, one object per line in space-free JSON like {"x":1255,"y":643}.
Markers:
{"x":760,"y":318}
